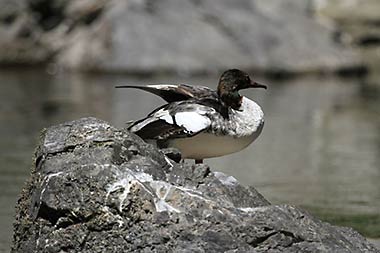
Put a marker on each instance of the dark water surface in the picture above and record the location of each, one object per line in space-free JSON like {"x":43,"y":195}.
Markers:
{"x":320,"y":147}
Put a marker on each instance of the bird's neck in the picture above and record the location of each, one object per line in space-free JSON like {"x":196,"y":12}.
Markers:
{"x":231,"y":99}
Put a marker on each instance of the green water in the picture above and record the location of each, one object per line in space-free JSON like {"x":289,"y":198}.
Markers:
{"x":320,"y":147}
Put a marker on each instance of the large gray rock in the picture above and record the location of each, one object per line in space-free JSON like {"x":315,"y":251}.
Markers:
{"x":94,"y":188}
{"x":189,"y":36}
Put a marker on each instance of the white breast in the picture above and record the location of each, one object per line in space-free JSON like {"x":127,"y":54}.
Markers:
{"x":244,"y":126}
{"x":248,"y":119}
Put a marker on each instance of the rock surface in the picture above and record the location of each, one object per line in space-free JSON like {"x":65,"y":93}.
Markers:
{"x":94,"y":188}
{"x":167,"y":35}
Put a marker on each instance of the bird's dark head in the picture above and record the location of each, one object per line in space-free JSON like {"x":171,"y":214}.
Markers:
{"x":231,"y":81}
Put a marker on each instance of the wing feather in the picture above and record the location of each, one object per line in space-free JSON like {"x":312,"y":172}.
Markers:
{"x":176,"y":92}
{"x":174,"y":120}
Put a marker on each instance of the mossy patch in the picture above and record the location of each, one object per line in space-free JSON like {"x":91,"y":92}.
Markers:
{"x":366,"y":224}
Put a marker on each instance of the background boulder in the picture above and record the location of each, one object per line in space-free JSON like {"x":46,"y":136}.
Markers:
{"x":183,"y":36}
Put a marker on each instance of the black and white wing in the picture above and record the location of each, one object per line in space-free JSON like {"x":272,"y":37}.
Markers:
{"x":176,"y":92}
{"x":174,"y":120}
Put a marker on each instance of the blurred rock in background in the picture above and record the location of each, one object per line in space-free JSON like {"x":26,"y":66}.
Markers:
{"x":356,"y":24}
{"x":181,"y":36}
{"x":20,"y":35}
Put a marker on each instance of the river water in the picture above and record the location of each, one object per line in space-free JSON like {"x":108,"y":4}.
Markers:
{"x":320,"y":147}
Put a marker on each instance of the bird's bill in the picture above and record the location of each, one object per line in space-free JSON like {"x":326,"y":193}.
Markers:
{"x":257,"y":85}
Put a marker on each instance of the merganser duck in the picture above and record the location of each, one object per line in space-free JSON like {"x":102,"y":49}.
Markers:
{"x":200,"y":122}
